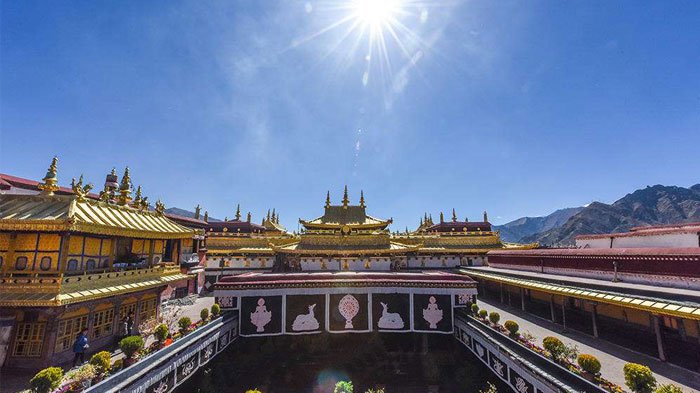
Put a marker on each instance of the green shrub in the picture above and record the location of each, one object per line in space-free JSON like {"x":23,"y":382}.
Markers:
{"x":483,"y":313}
{"x":490,"y":389}
{"x":102,"y":361}
{"x":639,"y":378}
{"x":475,"y":308}
{"x":215,"y":309}
{"x":494,"y":317}
{"x":512,"y":327}
{"x":184,"y":324}
{"x":204,"y":314}
{"x":161,"y":332}
{"x":118,"y":365}
{"x":86,"y":372}
{"x":343,"y":387}
{"x":554,"y":346}
{"x":589,"y":363}
{"x":131,"y":345}
{"x":46,"y":380}
{"x":670,"y":388}
{"x":253,"y":391}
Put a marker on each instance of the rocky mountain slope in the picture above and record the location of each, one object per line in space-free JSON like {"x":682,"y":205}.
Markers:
{"x":523,"y":227}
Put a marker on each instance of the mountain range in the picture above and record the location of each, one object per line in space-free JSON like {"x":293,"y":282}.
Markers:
{"x":653,"y":205}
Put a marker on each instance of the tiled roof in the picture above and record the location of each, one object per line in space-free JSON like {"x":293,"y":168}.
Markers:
{"x":353,"y":216}
{"x":460,"y":226}
{"x":592,"y":252}
{"x":8,"y":181}
{"x":647,"y":231}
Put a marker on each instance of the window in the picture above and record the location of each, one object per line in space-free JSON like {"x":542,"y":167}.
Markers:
{"x":73,"y":264}
{"x":29,"y":339}
{"x":45,"y":263}
{"x":68,"y":330}
{"x":127,"y":309}
{"x":102,"y":323}
{"x":147,"y":310}
{"x":90,"y":264}
{"x":21,"y":263}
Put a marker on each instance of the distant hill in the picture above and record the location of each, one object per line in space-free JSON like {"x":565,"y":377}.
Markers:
{"x":523,"y":227}
{"x":186,"y":213}
{"x":648,"y":206}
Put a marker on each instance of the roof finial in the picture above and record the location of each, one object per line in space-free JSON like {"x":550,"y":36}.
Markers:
{"x":362,"y":199}
{"x":125,"y":189}
{"x":206,"y":216}
{"x":486,"y":216}
{"x":268,"y":214}
{"x":80,"y":190}
{"x":50,"y":184}
{"x":328,"y":199}
{"x":273,"y":215}
{"x":160,"y":208}
{"x":442,"y":218}
{"x":197,"y":210}
{"x":430,"y":217}
{"x":144,"y":204}
{"x":466,"y":219}
{"x":346,"y":201}
{"x":249,"y":217}
{"x":421,"y":221}
{"x":277,"y":218}
{"x":138,"y":197}
{"x":454,"y":215}
{"x":238,"y":212}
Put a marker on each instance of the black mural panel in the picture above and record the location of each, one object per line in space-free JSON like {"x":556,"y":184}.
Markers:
{"x":165,"y":384}
{"x":261,"y":315}
{"x":432,"y":313}
{"x":480,"y":351}
{"x":498,"y":366}
{"x":391,"y":312}
{"x":227,"y":302}
{"x":222,"y":341}
{"x":305,"y":314}
{"x":207,"y":353}
{"x":187,"y":368}
{"x":520,"y":384}
{"x":348,"y":313}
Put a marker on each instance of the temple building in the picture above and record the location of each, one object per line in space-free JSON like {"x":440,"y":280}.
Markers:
{"x":345,"y":237}
{"x":70,"y":260}
{"x":638,"y":289}
{"x":193,"y":256}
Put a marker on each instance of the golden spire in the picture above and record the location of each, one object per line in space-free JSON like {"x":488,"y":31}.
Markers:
{"x":362,"y":199}
{"x":226,"y":218}
{"x":486,"y":216}
{"x":454,"y":215}
{"x":249,"y":217}
{"x":430,"y":217}
{"x":206,"y":216}
{"x":272,"y":218}
{"x":421,"y":222}
{"x":197,"y":210}
{"x":238,"y":212}
{"x":277,"y":218}
{"x":125,"y":189}
{"x":144,"y":203}
{"x":50,"y":184}
{"x":268,"y":214}
{"x":346,"y":201}
{"x":160,"y":208}
{"x":137,"y":197}
{"x":442,"y":218}
{"x":80,"y":190}
{"x":328,"y":199}
{"x":466,"y":219}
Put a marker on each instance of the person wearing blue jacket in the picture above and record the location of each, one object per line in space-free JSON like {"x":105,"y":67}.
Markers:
{"x":80,"y":346}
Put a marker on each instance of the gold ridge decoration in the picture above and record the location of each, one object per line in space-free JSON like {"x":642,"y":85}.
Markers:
{"x":238,"y":212}
{"x":125,"y":189}
{"x":160,"y":208}
{"x":50,"y":184}
{"x":328,"y":199}
{"x":346,"y":201}
{"x":79,"y":190}
{"x":197,"y":210}
{"x":362,"y":199}
{"x":138,"y":198}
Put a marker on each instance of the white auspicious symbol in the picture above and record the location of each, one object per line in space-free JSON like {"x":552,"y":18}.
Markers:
{"x":188,"y":368}
{"x":432,"y":314}
{"x":162,"y":388}
{"x":520,"y":385}
{"x":480,"y":350}
{"x":498,"y":367}
{"x":226,"y":301}
{"x":208,"y":352}
{"x":261,"y":316}
{"x":305,"y":321}
{"x":389,"y":320}
{"x":348,"y":308}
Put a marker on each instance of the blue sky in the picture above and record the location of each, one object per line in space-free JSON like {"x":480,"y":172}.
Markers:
{"x":518,"y":108}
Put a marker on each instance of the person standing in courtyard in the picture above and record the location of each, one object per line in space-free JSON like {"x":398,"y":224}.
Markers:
{"x":79,"y":347}
{"x":130,"y":324}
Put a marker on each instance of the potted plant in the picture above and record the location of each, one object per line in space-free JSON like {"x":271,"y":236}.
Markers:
{"x":670,"y":388}
{"x":161,"y":334}
{"x":204,"y":315}
{"x":103,"y":362}
{"x":82,"y":379}
{"x":639,"y":378}
{"x":46,"y":380}
{"x":512,"y":328}
{"x":494,"y":317}
{"x":215,"y":310}
{"x":483,"y":313}
{"x":475,"y":308}
{"x":131,"y":346}
{"x":184,"y":325}
{"x":590,"y":366}
{"x":343,"y":387}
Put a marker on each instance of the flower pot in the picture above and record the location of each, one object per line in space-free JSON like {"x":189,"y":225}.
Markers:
{"x":128,"y":362}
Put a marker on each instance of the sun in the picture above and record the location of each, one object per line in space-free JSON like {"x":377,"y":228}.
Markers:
{"x":376,"y":13}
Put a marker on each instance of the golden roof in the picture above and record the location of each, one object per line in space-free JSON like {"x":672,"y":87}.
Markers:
{"x":69,"y":213}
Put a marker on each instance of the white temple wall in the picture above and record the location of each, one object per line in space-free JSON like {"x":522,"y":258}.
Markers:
{"x":669,"y":240}
{"x":593,"y":243}
{"x":241,"y":262}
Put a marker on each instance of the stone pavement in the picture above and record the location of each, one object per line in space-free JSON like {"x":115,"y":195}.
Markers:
{"x":16,"y":380}
{"x":612,"y":357}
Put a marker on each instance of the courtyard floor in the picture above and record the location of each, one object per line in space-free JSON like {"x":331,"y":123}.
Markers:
{"x":612,"y":357}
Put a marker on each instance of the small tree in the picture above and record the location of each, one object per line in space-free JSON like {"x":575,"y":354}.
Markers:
{"x":215,"y":310}
{"x":554,"y":346}
{"x":670,"y":388}
{"x":46,"y":380}
{"x":475,"y":308}
{"x":161,"y":332}
{"x":639,"y":378}
{"x":494,"y":317}
{"x":184,"y":324}
{"x":588,"y":363}
{"x":490,"y":389}
{"x":512,"y":327}
{"x":204,"y":314}
{"x":131,"y":346}
{"x":483,"y":313}
{"x":343,"y":387}
{"x":102,"y":361}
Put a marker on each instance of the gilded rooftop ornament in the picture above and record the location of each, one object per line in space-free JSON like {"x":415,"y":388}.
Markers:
{"x":486,"y":216}
{"x":160,"y":208}
{"x":328,"y":198}
{"x":144,"y":204}
{"x":50,"y":184}
{"x":238,"y":212}
{"x":125,"y":189}
{"x":362,"y":199}
{"x":80,"y":190}
{"x":197,"y":209}
{"x":138,"y":198}
{"x":249,"y":217}
{"x":454,"y":215}
{"x":346,"y":201}
{"x":206,"y":216}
